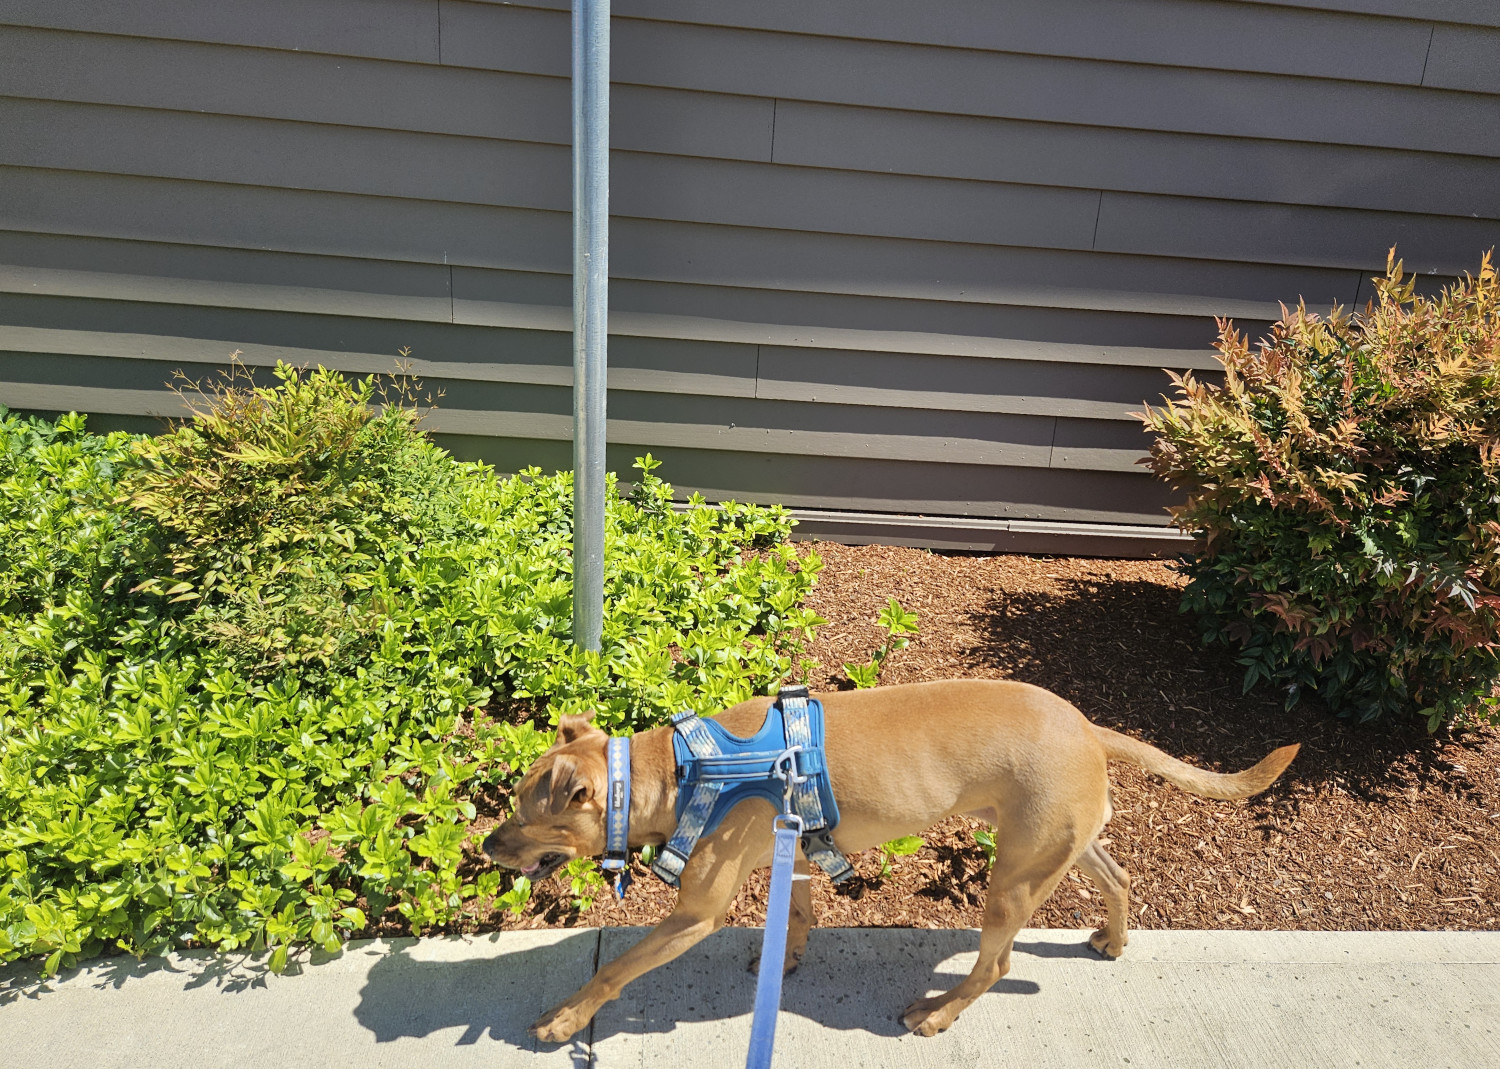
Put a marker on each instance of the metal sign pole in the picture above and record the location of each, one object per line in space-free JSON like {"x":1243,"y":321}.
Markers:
{"x":590,"y":311}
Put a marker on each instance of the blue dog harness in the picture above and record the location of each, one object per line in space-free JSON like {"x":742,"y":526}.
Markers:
{"x":783,"y":762}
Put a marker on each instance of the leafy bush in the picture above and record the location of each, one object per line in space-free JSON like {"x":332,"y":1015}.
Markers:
{"x":254,"y":673}
{"x":272,"y":508}
{"x":1345,"y":486}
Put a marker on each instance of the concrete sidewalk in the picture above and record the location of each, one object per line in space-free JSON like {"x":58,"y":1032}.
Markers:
{"x":1211,"y":999}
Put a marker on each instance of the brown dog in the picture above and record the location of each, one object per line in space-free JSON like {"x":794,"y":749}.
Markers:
{"x":900,"y":759}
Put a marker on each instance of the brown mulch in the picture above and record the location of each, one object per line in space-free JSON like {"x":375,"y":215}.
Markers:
{"x":1372,"y":827}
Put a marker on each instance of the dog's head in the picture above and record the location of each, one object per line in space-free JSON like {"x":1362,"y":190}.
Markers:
{"x":558,"y":813}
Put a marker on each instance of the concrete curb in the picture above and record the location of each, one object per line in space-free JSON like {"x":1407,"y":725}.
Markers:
{"x":1188,"y":999}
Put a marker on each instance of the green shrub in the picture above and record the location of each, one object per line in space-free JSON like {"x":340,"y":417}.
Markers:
{"x":273,"y":509}
{"x":254,"y":673}
{"x":1344,"y":484}
{"x":60,"y":525}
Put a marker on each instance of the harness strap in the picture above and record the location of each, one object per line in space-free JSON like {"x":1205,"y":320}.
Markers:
{"x":817,"y":837}
{"x":673,"y":857}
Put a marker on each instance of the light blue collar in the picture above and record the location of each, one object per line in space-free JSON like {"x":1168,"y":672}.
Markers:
{"x":617,"y":813}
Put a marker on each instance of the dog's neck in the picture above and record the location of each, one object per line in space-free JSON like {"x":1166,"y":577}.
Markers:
{"x":653,"y":787}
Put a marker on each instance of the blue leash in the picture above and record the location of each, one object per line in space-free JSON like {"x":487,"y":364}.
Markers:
{"x":778,"y":910}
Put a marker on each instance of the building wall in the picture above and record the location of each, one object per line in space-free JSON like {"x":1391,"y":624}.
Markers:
{"x":875,"y":255}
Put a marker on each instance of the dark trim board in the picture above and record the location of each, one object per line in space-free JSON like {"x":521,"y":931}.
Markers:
{"x":963,"y":534}
{"x":909,"y":269}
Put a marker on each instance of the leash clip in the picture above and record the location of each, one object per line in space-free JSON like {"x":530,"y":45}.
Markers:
{"x":785,"y":769}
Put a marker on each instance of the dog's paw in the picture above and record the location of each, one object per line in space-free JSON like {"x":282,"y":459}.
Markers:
{"x":789,"y":966}
{"x":557,"y":1024}
{"x":1102,"y":946}
{"x":929,"y":1016}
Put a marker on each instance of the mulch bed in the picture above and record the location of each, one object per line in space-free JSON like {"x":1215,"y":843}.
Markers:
{"x":1372,"y":827}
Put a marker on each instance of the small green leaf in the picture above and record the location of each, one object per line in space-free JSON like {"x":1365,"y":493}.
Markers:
{"x":907,"y":844}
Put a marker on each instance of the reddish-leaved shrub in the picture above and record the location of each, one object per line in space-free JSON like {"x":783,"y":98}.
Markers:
{"x":1344,"y":487}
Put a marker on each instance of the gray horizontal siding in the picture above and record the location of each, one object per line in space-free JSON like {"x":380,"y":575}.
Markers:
{"x":338,"y":90}
{"x":1178,"y":33}
{"x":509,"y":173}
{"x":655,"y":365}
{"x":1479,"y":12}
{"x":132,"y":271}
{"x":390,"y":29}
{"x":69,"y":202}
{"x":957,"y":384}
{"x":1462,"y":58}
{"x":385,"y":97}
{"x":737,"y":424}
{"x":1318,"y":39}
{"x":911,"y":259}
{"x":470,"y":170}
{"x":1137,"y":161}
{"x":1002,"y":85}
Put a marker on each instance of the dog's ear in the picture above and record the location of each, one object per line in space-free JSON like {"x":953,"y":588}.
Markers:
{"x":569,"y":786}
{"x":571,"y":728}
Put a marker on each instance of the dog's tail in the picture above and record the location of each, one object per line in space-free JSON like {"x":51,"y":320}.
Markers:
{"x":1196,"y":780}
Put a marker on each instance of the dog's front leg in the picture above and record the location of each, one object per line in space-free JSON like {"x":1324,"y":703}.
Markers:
{"x":719,"y":866}
{"x":666,"y":941}
{"x":800,"y":918}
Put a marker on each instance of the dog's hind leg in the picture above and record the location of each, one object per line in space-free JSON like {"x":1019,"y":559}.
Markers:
{"x":1114,"y":885}
{"x":1014,"y":894}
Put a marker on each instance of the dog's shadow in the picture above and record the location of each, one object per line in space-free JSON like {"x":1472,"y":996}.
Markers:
{"x":410,"y":993}
{"x":852,"y":979}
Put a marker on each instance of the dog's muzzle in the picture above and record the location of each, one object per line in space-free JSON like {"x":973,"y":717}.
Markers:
{"x":545,"y":866}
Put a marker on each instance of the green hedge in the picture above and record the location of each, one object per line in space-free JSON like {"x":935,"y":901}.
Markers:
{"x":248,"y":668}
